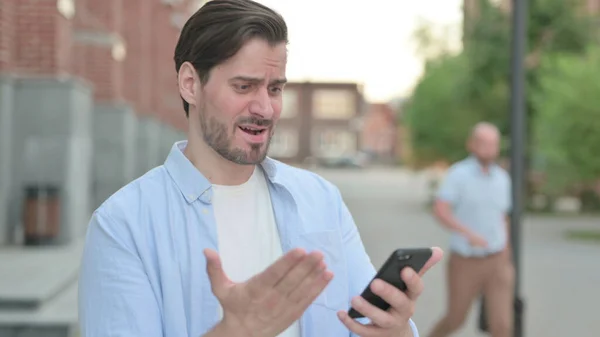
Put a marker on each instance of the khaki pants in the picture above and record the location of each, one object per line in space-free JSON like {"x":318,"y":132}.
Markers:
{"x":469,"y":277}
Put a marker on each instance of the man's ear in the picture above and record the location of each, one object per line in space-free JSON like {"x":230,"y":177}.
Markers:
{"x":188,"y":83}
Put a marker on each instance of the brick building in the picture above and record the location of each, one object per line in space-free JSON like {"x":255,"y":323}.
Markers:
{"x":380,"y":133}
{"x":88,"y":99}
{"x":318,"y":120}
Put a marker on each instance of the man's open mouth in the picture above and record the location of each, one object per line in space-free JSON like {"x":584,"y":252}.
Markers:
{"x":252,"y":130}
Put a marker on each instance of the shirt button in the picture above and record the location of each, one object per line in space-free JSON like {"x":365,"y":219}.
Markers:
{"x":205,"y":211}
{"x":191,"y":197}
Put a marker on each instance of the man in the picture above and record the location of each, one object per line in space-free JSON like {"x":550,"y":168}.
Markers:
{"x":473,"y":202}
{"x":220,"y":240}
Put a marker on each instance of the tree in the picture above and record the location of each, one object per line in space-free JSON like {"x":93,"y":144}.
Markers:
{"x":567,"y":125}
{"x":437,"y":114}
{"x":457,"y":91}
{"x":474,"y":85}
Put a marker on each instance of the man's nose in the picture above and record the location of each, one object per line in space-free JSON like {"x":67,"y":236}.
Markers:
{"x":262,"y":105}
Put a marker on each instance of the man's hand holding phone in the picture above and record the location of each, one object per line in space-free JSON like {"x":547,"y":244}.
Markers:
{"x":268,"y":303}
{"x":393,"y":322}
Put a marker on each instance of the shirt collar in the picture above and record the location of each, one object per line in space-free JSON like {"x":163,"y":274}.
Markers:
{"x":192,"y":184}
{"x":478,"y":167}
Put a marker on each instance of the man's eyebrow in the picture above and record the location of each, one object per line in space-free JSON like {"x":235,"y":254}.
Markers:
{"x":251,"y":79}
{"x":279,"y":81}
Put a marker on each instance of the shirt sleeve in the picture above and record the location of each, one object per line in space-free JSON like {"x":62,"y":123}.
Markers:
{"x":115,"y":295}
{"x":449,"y":189}
{"x":362,"y":271}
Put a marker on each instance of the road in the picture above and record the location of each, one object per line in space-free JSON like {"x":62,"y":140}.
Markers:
{"x":561,"y":279}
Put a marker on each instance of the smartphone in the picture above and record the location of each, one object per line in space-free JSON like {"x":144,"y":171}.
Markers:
{"x":390,"y":273}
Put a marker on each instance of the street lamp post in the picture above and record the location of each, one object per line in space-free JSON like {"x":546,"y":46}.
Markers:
{"x":518,"y":146}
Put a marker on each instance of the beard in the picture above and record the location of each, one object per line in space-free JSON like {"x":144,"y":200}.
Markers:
{"x":216,"y":136}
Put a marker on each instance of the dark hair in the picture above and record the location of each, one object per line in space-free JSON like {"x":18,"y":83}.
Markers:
{"x":220,"y":28}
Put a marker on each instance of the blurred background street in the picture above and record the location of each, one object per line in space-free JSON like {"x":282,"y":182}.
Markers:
{"x":560,"y":275}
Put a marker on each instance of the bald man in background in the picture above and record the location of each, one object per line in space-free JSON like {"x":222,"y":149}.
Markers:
{"x":473,"y":202}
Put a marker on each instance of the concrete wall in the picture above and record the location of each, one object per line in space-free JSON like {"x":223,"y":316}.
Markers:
{"x":169,"y":135}
{"x":52,"y":144}
{"x":52,"y":133}
{"x":126,"y":146}
{"x":114,"y":161}
{"x":6,"y":110}
{"x":148,"y":145}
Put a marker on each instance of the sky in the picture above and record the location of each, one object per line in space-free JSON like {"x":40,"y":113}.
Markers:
{"x":369,"y":42}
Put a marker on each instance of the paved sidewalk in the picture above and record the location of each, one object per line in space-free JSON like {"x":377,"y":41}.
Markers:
{"x":38,"y":284}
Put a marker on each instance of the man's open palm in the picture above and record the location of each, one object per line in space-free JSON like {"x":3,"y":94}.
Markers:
{"x":268,"y":303}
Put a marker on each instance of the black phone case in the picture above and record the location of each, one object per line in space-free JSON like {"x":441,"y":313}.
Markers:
{"x":390,"y":273}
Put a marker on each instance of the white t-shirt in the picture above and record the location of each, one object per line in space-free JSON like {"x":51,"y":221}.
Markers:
{"x":247,"y":233}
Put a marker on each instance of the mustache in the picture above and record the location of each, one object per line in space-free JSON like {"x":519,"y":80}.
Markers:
{"x":255,"y":121}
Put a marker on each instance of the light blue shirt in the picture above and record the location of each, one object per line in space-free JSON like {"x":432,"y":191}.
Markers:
{"x":480,"y":202}
{"x":144,"y":273}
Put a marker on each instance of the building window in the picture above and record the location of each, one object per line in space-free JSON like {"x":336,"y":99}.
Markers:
{"x":333,"y":104}
{"x":284,"y":143}
{"x":291,"y":103}
{"x":334,"y":143}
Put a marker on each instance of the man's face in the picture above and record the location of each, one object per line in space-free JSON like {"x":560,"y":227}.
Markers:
{"x":486,"y":146}
{"x":240,"y":104}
